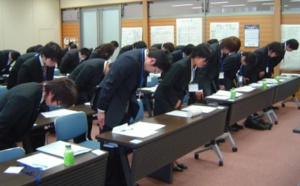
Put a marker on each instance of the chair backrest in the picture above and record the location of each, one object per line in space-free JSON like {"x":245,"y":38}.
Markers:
{"x":153,"y":81}
{"x":12,"y":153}
{"x":140,"y":114}
{"x":70,"y":126}
{"x":3,"y":89}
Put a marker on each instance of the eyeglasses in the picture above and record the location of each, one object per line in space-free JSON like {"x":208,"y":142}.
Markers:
{"x":36,"y":172}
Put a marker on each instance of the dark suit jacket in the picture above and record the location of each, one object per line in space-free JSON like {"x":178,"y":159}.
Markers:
{"x":31,"y":71}
{"x":176,"y":55}
{"x":4,"y":66}
{"x":231,"y":65}
{"x":173,"y":87}
{"x":13,"y":73}
{"x":18,"y":112}
{"x":69,"y":62}
{"x":263,"y":60}
{"x":118,"y":88}
{"x":87,"y":76}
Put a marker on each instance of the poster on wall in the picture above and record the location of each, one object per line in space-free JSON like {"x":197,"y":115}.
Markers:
{"x":291,"y":60}
{"x":131,"y":35}
{"x":189,"y":31}
{"x":222,"y":30}
{"x":251,"y":35}
{"x":162,"y":34}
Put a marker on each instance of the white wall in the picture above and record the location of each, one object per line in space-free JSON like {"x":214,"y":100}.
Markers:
{"x":25,"y":23}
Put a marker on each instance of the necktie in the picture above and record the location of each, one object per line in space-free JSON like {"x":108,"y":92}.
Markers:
{"x":44,"y":69}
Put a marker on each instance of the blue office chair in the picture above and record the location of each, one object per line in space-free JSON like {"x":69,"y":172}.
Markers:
{"x":12,"y":153}
{"x":71,"y":126}
{"x":140,"y":114}
{"x":56,"y":72}
{"x":153,"y":81}
{"x":3,"y":89}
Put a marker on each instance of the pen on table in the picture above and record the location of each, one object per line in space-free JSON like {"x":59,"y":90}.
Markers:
{"x":39,"y":165}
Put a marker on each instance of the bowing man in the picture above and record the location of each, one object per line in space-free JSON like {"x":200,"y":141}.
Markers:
{"x":20,"y":105}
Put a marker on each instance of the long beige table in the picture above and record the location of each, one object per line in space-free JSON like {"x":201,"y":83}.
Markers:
{"x":89,"y":169}
{"x":179,"y":137}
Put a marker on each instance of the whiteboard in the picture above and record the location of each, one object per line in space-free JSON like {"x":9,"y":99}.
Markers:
{"x":131,"y":35}
{"x":162,"y":34}
{"x":189,"y":31}
{"x":222,"y":30}
{"x":291,"y":61}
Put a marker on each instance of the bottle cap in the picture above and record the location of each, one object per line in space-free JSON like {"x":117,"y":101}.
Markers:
{"x":68,"y":145}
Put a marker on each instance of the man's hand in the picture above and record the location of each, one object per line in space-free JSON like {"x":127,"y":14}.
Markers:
{"x":199,"y":95}
{"x":101,"y":119}
{"x":177,"y":104}
{"x":261,"y":74}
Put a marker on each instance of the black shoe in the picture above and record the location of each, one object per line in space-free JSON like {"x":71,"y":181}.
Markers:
{"x":182,"y":166}
{"x":233,"y":128}
{"x":274,"y":108}
{"x":237,"y":126}
{"x":136,"y":184}
{"x":178,"y":169}
{"x":207,"y":145}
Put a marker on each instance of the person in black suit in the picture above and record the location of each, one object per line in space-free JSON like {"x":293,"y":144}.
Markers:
{"x":35,"y":48}
{"x":170,"y":92}
{"x":72,"y":59}
{"x":40,"y":68}
{"x":116,"y":101}
{"x":289,"y":45}
{"x":247,"y":73}
{"x":87,"y":76}
{"x":266,"y":59}
{"x":15,"y":67}
{"x":8,"y":58}
{"x":19,"y":106}
{"x":232,"y":64}
{"x":175,"y":85}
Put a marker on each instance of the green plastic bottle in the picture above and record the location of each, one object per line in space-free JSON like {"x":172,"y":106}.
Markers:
{"x":264,"y":85}
{"x":232,"y":93}
{"x":68,"y":156}
{"x":277,"y":79}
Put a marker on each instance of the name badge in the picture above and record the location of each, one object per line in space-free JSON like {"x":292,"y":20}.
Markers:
{"x":193,"y":87}
{"x":221,"y":75}
{"x":267,"y":69}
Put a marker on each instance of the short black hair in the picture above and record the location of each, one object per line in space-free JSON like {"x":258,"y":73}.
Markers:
{"x":203,"y":50}
{"x":53,"y":51}
{"x":14,"y":55}
{"x":188,"y":49}
{"x":163,"y":59}
{"x":293,"y":44}
{"x":139,"y":44}
{"x":250,"y":58}
{"x":212,"y":41}
{"x":168,"y":46}
{"x":64,"y":90}
{"x":275,"y":47}
{"x":157,"y":45}
{"x":115,"y":43}
{"x":85,"y":51}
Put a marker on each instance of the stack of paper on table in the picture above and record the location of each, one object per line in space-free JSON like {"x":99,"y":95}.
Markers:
{"x":58,"y":113}
{"x":270,"y":80}
{"x":139,"y":129}
{"x":223,"y":95}
{"x":40,"y":160}
{"x":191,"y":111}
{"x":150,"y":89}
{"x":244,"y":89}
{"x":57,"y":148}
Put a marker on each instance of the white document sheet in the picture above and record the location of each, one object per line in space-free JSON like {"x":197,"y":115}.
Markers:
{"x":245,"y":89}
{"x":150,"y":89}
{"x":58,"y":113}
{"x":58,"y":148}
{"x":178,"y":113}
{"x":226,"y":93}
{"x":204,"y":109}
{"x":41,"y":160}
{"x":133,"y":131}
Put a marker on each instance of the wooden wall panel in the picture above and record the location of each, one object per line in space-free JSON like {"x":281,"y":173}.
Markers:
{"x":265,"y":23}
{"x":70,"y":30}
{"x":131,"y":23}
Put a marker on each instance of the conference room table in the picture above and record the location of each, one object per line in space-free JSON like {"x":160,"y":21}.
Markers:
{"x":246,"y":104}
{"x":89,"y":169}
{"x":43,"y":122}
{"x":286,"y":88}
{"x":153,"y":155}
